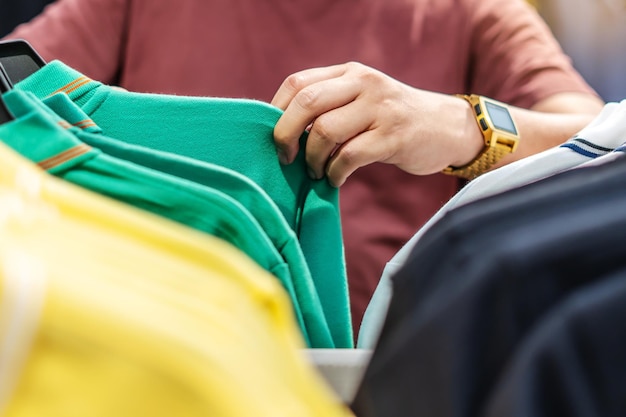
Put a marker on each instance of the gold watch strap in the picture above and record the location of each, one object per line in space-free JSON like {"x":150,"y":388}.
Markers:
{"x":485,"y":160}
{"x":495,"y":148}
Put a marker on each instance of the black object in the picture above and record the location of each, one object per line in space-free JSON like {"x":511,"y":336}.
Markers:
{"x":19,"y":59}
{"x":5,"y":85}
{"x":478,"y":282}
{"x":573,"y":362}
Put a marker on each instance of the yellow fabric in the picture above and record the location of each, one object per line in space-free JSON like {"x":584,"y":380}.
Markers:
{"x":128,"y":314}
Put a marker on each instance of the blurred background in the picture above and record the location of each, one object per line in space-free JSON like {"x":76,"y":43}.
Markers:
{"x":591,"y":32}
{"x":15,"y":12}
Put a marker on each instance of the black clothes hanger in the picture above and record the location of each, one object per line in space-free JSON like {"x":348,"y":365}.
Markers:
{"x":5,"y":85}
{"x":5,"y":114}
{"x":5,"y":82}
{"x":19,"y":60}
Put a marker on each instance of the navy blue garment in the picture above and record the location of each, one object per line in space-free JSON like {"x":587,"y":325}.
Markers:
{"x":573,"y":364}
{"x":479,"y":279}
{"x":15,"y":12}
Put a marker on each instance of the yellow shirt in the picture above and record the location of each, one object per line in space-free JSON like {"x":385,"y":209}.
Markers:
{"x":109,"y":311}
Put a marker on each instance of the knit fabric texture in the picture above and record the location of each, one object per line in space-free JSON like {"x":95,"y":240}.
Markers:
{"x":236,"y":134}
{"x":237,"y":186}
{"x":42,"y":141}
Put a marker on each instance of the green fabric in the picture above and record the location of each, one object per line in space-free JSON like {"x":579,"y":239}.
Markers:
{"x":236,"y":134}
{"x":230,"y":182}
{"x":39,"y":138}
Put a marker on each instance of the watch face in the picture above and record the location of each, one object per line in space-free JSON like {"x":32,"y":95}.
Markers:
{"x":500,"y":117}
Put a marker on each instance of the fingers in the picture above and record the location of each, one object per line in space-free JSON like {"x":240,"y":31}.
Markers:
{"x":357,"y":152}
{"x":339,"y":106}
{"x":307,"y":104}
{"x":299,"y":80}
{"x":331,"y":130}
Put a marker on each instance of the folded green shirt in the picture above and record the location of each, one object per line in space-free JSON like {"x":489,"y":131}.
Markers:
{"x":39,"y":137}
{"x":236,"y":134}
{"x":237,"y":186}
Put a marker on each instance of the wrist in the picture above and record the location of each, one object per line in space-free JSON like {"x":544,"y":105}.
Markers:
{"x":468,"y":137}
{"x":499,"y":133}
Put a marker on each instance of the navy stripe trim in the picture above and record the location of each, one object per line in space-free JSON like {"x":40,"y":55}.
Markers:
{"x":593,"y":145}
{"x":585,"y":147}
{"x":580,"y":150}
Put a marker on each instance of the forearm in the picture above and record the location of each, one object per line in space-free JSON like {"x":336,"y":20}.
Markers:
{"x":548,"y":124}
{"x":358,"y":116}
{"x":551,"y":122}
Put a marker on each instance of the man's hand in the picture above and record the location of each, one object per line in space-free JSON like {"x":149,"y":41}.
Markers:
{"x":358,"y":115}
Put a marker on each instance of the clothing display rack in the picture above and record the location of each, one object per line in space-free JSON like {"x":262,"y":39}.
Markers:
{"x":156,"y":256}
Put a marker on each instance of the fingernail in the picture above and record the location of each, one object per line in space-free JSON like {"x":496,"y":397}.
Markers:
{"x":311,"y":173}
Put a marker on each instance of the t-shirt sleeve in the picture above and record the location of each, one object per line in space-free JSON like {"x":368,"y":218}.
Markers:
{"x":86,"y":35}
{"x":515,"y":58}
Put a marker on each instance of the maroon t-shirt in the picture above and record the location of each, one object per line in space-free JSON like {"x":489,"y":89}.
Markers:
{"x":245,"y":48}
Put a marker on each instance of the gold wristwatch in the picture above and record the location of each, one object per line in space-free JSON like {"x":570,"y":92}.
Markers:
{"x":499,"y":131}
